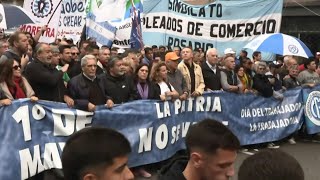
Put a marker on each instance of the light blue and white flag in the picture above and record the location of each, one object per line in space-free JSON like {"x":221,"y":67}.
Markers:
{"x":102,"y":32}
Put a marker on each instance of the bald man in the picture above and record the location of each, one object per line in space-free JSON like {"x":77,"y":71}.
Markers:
{"x":210,"y":71}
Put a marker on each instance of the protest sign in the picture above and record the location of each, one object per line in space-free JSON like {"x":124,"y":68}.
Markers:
{"x":45,"y":12}
{"x":221,"y":24}
{"x":34,"y":134}
{"x":72,"y":19}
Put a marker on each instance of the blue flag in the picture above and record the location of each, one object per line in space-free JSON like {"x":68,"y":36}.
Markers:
{"x":136,"y":40}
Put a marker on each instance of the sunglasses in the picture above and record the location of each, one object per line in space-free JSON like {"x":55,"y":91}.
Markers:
{"x":16,"y":67}
{"x":75,"y":54}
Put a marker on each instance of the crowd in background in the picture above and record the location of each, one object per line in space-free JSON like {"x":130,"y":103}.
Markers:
{"x":85,"y":75}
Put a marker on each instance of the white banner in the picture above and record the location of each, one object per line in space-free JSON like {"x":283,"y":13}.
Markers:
{"x":72,"y":19}
{"x":43,"y":11}
{"x":3,"y":22}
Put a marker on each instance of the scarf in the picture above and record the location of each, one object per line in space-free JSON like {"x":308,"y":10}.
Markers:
{"x":143,"y":91}
{"x":17,"y":92}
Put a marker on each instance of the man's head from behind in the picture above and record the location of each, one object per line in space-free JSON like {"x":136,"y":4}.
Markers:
{"x":270,"y":165}
{"x":96,"y":153}
{"x":212,"y":150}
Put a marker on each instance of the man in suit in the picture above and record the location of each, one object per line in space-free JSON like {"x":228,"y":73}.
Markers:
{"x":210,"y":71}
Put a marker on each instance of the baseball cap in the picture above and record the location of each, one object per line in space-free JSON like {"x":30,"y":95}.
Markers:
{"x":229,"y":51}
{"x":171,"y":56}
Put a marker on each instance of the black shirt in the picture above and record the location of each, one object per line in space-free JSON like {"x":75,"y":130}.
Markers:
{"x":192,"y":76}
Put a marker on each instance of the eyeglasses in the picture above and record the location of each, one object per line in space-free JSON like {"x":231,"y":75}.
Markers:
{"x":16,"y":67}
{"x":75,"y":54}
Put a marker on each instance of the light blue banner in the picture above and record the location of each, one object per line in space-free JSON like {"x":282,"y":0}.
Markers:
{"x":221,"y":24}
{"x":33,"y":134}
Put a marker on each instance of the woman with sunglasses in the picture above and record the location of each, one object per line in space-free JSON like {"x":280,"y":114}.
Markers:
{"x":12,"y":83}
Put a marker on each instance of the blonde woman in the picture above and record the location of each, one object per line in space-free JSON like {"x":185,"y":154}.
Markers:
{"x":159,"y":76}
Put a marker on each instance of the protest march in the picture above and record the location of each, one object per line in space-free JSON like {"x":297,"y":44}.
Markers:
{"x":159,"y":89}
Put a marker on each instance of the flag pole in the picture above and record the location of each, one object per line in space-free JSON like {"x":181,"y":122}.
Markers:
{"x":54,"y":12}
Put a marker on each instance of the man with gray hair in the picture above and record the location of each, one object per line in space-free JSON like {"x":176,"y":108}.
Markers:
{"x":46,"y":81}
{"x":211,"y":71}
{"x":86,"y":88}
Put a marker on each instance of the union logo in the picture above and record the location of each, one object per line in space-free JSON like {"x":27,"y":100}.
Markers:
{"x":293,"y":49}
{"x":312,"y":108}
{"x":41,"y":8}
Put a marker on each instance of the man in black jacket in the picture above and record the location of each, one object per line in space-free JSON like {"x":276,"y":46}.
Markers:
{"x":211,"y":72}
{"x":46,"y":81}
{"x":116,"y":84}
{"x":212,"y":149}
{"x":261,"y":82}
{"x":86,"y":88}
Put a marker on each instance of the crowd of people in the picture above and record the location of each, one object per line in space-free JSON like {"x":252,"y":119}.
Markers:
{"x":85,"y":75}
{"x":211,"y":154}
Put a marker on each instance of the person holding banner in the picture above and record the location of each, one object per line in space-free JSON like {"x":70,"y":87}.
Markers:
{"x":192,"y":72}
{"x":12,"y":83}
{"x":159,"y":75}
{"x":212,"y":149}
{"x":211,"y":71}
{"x":229,"y":79}
{"x":175,"y":77}
{"x":116,"y":84}
{"x":145,"y":88}
{"x":86,"y":88}
{"x":96,"y":153}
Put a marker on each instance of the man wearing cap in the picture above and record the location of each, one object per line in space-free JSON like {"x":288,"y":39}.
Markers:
{"x":229,"y":52}
{"x":191,"y":72}
{"x":175,"y":77}
{"x":210,"y":71}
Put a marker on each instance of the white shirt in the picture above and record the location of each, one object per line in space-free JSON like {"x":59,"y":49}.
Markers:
{"x":213,"y":68}
{"x":164,"y":87}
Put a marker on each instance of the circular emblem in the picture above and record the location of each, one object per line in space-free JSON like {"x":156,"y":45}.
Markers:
{"x":41,"y":8}
{"x":312,"y":109}
{"x":293,"y":49}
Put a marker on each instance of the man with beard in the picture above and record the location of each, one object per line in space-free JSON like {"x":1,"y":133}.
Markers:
{"x":18,"y":43}
{"x":45,"y":80}
{"x":116,"y":84}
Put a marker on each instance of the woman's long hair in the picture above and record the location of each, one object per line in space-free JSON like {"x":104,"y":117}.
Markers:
{"x":136,"y":77}
{"x":155,"y":72}
{"x":6,"y":74}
